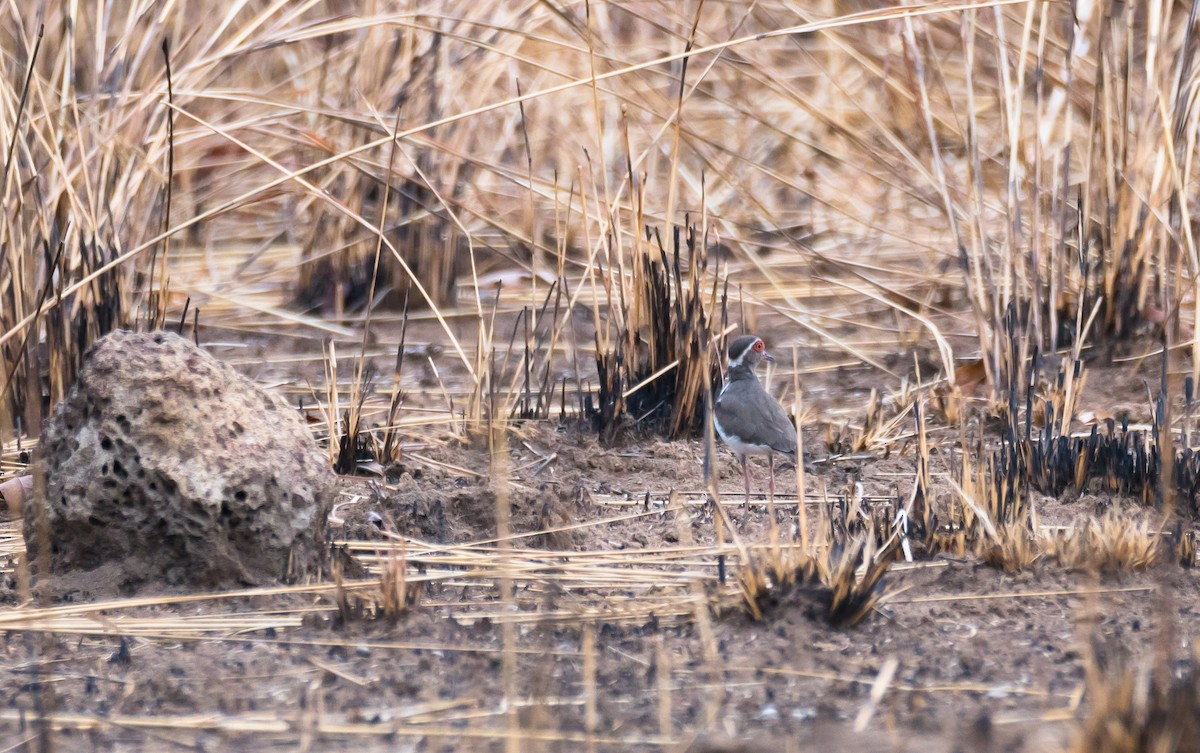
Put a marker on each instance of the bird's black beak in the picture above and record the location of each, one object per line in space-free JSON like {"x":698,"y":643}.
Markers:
{"x":768,"y":356}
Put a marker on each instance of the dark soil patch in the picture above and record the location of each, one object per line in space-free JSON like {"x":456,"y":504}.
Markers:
{"x":981,"y":656}
{"x":984,"y":661}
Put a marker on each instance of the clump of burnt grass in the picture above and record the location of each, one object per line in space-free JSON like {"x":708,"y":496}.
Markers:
{"x":390,"y":599}
{"x":1113,"y":543}
{"x":660,"y":348}
{"x":1114,"y":457}
{"x":840,"y":578}
{"x":64,"y":277}
{"x":1140,"y":706}
{"x":42,"y":361}
{"x":992,"y":514}
{"x":841,"y":587}
{"x":883,"y":421}
{"x":1004,"y":530}
{"x":1094,"y":271}
{"x":1086,"y":256}
{"x":1011,"y":547}
{"x":337,"y":277}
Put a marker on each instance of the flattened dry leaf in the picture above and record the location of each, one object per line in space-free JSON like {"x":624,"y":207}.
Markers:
{"x":969,"y":376}
{"x":14,"y":491}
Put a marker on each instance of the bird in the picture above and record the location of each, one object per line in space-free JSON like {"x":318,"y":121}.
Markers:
{"x":749,"y":420}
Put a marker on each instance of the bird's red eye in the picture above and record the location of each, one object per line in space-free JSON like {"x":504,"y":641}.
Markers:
{"x":759,"y":345}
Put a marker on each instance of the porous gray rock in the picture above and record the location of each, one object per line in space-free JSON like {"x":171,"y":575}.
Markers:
{"x":180,"y":470}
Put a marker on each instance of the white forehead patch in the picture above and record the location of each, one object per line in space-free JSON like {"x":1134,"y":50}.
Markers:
{"x":741,"y":357}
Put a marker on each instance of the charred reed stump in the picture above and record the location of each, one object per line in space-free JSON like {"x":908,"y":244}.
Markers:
{"x":666,"y":325}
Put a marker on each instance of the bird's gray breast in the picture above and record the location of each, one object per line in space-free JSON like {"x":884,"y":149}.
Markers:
{"x":749,"y":420}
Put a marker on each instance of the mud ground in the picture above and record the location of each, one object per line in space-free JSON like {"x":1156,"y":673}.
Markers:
{"x":983,"y":660}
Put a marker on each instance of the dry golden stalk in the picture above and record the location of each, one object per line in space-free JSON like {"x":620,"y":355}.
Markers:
{"x":1116,"y":542}
{"x":396,"y":594}
{"x":1137,"y":709}
{"x":1014,"y":548}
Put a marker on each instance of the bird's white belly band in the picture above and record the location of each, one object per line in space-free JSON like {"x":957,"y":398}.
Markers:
{"x":737,"y":445}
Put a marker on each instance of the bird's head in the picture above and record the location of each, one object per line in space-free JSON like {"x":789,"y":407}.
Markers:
{"x":748,"y":350}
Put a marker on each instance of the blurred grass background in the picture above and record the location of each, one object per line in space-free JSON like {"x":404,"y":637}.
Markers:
{"x":505,"y":202}
{"x":981,"y":181}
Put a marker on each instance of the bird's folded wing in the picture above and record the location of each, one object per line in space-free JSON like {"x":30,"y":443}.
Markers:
{"x":764,"y":419}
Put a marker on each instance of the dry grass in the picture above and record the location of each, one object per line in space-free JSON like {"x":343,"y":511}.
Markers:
{"x":547,"y":191}
{"x":839,"y":577}
{"x":1112,"y":543}
{"x":1137,"y":707}
{"x":535,"y":212}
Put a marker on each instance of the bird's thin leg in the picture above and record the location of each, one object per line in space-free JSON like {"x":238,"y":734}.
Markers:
{"x":746,"y":476}
{"x":771,"y":467}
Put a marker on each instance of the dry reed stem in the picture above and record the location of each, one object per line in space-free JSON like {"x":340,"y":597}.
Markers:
{"x":843,"y":199}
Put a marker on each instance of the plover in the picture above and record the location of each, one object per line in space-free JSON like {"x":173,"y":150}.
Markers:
{"x":748,"y":419}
